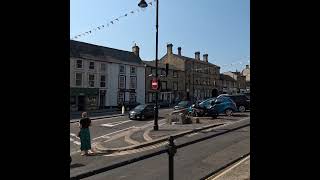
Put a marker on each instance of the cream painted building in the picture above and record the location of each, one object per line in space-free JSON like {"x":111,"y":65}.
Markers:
{"x":102,"y":77}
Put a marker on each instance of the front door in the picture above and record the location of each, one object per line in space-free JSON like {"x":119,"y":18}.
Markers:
{"x":81,"y":103}
{"x":102,"y":99}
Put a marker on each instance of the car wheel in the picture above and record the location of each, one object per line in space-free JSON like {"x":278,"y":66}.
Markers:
{"x":242,"y":109}
{"x":229,"y":112}
{"x":142,"y":117}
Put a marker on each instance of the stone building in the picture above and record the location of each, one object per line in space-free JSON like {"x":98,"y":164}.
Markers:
{"x":172,"y":83}
{"x":240,"y":81}
{"x":201,"y":76}
{"x":246,"y":72}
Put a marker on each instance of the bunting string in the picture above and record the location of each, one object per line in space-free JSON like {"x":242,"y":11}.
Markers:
{"x":109,"y":23}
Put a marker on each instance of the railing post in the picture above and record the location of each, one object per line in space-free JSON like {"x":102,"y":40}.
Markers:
{"x":171,"y":151}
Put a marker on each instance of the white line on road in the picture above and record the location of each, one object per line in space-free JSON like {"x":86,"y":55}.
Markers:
{"x":235,"y":165}
{"x":115,"y":123}
{"x":193,"y":134}
{"x":107,"y":135}
{"x":74,"y":135}
{"x":75,"y":142}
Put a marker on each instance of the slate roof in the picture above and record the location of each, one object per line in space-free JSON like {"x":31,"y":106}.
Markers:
{"x":85,"y":50}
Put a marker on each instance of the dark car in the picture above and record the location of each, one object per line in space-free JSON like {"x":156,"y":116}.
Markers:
{"x":241,"y":100}
{"x":182,"y":105}
{"x":142,"y":112}
{"x":163,"y":104}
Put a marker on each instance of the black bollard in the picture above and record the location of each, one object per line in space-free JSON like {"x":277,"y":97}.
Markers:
{"x":171,"y":151}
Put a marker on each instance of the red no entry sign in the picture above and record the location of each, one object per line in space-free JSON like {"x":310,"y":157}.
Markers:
{"x":154,"y":84}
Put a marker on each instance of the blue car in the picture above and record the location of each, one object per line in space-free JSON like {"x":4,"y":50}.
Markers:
{"x":219,"y":105}
{"x":224,"y":105}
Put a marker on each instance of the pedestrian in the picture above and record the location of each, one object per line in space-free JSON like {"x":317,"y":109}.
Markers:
{"x":84,"y":134}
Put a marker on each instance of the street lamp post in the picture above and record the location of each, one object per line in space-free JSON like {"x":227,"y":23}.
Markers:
{"x":143,"y":4}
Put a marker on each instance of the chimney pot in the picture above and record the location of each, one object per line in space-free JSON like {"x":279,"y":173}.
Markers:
{"x":197,"y":55}
{"x":135,"y":49}
{"x":169,"y":48}
{"x":179,"y":51}
{"x":205,"y":57}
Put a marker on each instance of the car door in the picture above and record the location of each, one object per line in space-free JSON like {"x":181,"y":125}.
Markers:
{"x":149,"y":111}
{"x":218,"y":105}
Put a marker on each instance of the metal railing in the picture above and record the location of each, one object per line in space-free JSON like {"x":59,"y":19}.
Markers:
{"x":171,"y":150}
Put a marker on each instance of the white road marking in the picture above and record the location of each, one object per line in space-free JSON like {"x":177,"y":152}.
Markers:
{"x":75,"y":142}
{"x":115,"y":123}
{"x":107,"y":135}
{"x":103,"y":119}
{"x":74,"y":135}
{"x":190,"y":135}
{"x":75,"y":152}
{"x":235,"y":165}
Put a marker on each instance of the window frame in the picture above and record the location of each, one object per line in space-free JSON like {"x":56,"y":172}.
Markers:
{"x":93,"y":65}
{"x":105,"y":80}
{"x":124,"y":77}
{"x":75,"y":77}
{"x":94,"y":80}
{"x":77,"y":63}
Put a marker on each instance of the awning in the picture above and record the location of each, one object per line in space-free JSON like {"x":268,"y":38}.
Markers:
{"x":84,"y":91}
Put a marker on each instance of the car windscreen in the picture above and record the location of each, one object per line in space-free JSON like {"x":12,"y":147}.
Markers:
{"x":206,"y":103}
{"x":139,"y":107}
{"x":182,"y":103}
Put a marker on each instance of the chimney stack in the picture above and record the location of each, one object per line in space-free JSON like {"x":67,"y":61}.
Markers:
{"x":135,"y":49}
{"x":169,"y":48}
{"x":179,"y":51}
{"x":205,"y":57}
{"x":197,"y":55}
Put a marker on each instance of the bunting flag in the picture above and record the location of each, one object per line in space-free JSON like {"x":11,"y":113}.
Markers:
{"x":111,"y":22}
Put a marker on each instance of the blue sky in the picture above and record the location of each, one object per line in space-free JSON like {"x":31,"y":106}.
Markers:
{"x":219,"y":28}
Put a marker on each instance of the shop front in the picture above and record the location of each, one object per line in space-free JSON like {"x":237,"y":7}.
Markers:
{"x":84,"y":99}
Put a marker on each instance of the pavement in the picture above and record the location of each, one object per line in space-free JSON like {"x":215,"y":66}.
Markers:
{"x":238,"y":171}
{"x":142,"y":138}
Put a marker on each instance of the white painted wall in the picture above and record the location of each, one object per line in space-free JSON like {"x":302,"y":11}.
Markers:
{"x":112,"y":78}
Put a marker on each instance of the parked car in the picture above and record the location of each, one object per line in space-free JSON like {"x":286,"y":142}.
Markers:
{"x":241,"y":100}
{"x":218,"y":105}
{"x":164,"y":104}
{"x":182,"y":105}
{"x":142,"y":112}
{"x":224,"y":105}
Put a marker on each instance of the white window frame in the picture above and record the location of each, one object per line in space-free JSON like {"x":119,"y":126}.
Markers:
{"x":94,"y":80}
{"x":124,"y":77}
{"x":77,"y":63}
{"x":135,"y":70}
{"x":135,"y":82}
{"x":124,"y":69}
{"x":75,"y":79}
{"x":105,"y":81}
{"x":94,"y":66}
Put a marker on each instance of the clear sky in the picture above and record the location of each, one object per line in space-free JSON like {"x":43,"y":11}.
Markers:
{"x":219,"y":28}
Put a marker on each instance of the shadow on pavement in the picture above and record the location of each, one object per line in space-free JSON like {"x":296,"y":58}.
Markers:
{"x":76,"y":165}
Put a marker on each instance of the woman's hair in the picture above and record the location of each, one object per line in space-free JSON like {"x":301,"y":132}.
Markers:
{"x":84,"y":114}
